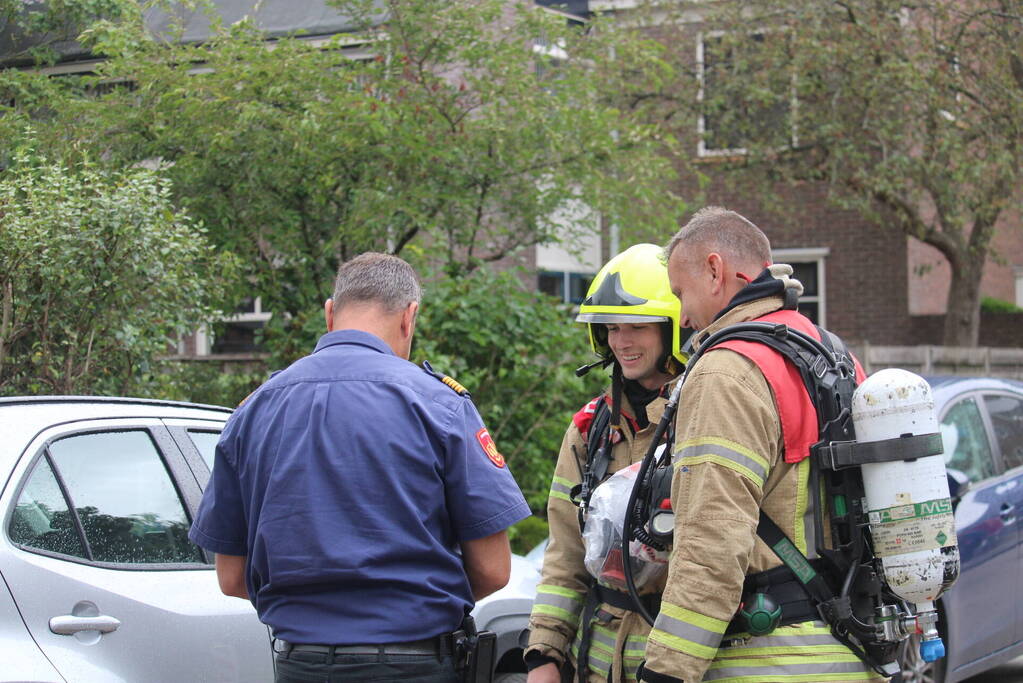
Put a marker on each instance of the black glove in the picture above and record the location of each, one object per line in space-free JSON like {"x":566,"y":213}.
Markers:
{"x":534,"y":659}
{"x":644,"y":674}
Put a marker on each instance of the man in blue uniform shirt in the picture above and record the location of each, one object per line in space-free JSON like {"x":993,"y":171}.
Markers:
{"x":358,"y":501}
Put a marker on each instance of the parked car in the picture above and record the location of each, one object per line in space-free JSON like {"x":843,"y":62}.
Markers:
{"x":99,"y":580}
{"x":980,"y":617}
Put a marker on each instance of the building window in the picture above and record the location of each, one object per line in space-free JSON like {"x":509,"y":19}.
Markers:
{"x":808,"y":268}
{"x":237,"y":333}
{"x":744,"y":101}
{"x":569,"y":287}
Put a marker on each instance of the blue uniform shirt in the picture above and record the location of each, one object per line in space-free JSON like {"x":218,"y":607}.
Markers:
{"x":349,"y":480}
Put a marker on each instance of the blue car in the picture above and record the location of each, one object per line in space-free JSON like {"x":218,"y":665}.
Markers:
{"x":981,"y":616}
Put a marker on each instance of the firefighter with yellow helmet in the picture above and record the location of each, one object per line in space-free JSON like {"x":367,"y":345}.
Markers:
{"x":583,"y":620}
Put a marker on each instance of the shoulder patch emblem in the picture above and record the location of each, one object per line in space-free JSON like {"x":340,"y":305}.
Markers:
{"x":489,"y":447}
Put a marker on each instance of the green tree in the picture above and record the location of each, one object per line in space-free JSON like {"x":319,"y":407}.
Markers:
{"x":97,"y":273}
{"x":516,"y":352}
{"x":911,"y":113}
{"x":459,"y":135}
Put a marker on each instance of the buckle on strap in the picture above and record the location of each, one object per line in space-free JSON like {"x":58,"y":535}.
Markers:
{"x":838,"y":455}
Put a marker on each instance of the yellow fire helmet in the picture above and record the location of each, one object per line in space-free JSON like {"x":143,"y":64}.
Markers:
{"x":632,"y":288}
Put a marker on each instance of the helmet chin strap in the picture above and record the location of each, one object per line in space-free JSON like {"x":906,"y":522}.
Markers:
{"x":617,"y":384}
{"x":667,"y":363}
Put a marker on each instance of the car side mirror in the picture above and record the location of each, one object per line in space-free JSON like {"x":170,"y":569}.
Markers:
{"x":958,"y":484}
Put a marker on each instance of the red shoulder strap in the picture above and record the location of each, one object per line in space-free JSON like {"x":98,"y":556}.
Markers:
{"x":584,"y":418}
{"x":796,"y":411}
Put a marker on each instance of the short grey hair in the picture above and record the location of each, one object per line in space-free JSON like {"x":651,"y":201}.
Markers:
{"x":376,"y":278}
{"x":718,"y":229}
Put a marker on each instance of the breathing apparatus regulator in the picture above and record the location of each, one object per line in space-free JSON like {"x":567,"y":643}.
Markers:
{"x":878,"y":467}
{"x":631,"y":288}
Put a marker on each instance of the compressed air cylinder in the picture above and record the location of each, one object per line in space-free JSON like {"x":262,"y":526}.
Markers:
{"x":907,"y":501}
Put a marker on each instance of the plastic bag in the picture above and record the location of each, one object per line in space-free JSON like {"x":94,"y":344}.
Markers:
{"x":602,"y":536}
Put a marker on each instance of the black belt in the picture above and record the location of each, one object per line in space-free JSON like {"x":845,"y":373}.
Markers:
{"x":622,"y":600}
{"x":436,"y":646}
{"x":786,"y":591}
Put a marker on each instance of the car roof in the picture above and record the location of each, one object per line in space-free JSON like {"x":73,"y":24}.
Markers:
{"x":22,"y":417}
{"x":946,"y":387}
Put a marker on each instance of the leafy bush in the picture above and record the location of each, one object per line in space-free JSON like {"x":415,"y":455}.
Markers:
{"x":989,"y":304}
{"x":97,"y":272}
{"x":207,"y":382}
{"x":516,"y":351}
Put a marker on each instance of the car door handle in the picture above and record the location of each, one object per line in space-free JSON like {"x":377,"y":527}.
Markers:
{"x":69,"y":625}
{"x":1007,"y":513}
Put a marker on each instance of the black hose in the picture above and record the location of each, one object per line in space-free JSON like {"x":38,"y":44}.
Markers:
{"x":662,"y":425}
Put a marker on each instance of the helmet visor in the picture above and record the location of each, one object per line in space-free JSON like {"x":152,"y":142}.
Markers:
{"x":619,"y":318}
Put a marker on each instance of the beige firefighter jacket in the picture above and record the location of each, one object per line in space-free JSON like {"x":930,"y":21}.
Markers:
{"x":618,"y":636}
{"x":728,"y":459}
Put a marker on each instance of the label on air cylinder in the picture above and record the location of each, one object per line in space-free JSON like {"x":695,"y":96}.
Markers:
{"x":912,"y":527}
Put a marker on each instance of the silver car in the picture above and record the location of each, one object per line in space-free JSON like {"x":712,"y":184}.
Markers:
{"x":99,"y":580}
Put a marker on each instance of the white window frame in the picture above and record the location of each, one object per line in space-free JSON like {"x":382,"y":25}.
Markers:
{"x":701,"y":124}
{"x":1018,"y":273}
{"x":816,"y":255}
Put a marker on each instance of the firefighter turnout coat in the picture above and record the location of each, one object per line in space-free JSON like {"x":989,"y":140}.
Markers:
{"x":618,"y":636}
{"x":728,"y":458}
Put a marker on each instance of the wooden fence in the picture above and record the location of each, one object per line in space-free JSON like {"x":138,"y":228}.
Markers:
{"x":983,"y":361}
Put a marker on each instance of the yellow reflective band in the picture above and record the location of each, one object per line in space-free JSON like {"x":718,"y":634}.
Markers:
{"x":724,"y":462}
{"x":740,"y":651}
{"x":797,"y":678}
{"x":722,"y":452}
{"x":561,"y":489}
{"x":682,"y":645}
{"x":686,"y":631}
{"x":634,"y":648}
{"x":596,"y":660}
{"x":560,"y":603}
{"x":788,"y":668}
{"x":703,"y":621}
{"x":802,"y":477}
{"x":560,"y":590}
{"x":724,"y":443}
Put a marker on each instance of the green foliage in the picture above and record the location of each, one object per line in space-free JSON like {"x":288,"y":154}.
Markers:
{"x":97,"y":273}
{"x":32,"y":29}
{"x":200,"y":381}
{"x":525,"y":535}
{"x":455,"y":136}
{"x":516,"y":352}
{"x":990,"y":304}
{"x":909,"y":113}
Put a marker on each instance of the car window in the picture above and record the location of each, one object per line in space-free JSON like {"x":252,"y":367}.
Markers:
{"x":205,"y":443}
{"x":966,"y":444}
{"x":41,"y":518}
{"x":122,"y":495}
{"x":1006,"y":414}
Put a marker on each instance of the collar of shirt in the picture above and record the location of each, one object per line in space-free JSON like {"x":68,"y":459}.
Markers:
{"x":741,"y":313}
{"x":359,"y":337}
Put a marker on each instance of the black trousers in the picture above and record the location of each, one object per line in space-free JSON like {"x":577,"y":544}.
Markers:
{"x":313,"y":667}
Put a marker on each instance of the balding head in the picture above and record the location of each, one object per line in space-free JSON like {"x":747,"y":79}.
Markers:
{"x":711,"y":259}
{"x":714,"y":229}
{"x":379,"y":294}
